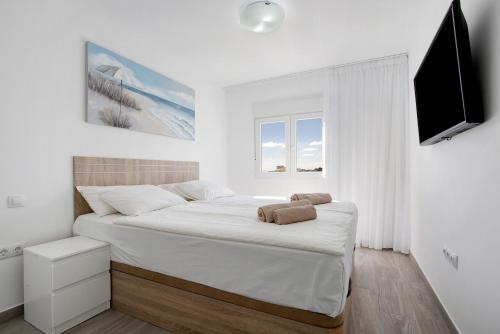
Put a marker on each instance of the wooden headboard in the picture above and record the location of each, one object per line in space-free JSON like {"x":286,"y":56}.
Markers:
{"x":92,"y":171}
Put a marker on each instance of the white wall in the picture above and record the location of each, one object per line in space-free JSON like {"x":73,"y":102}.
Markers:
{"x":42,"y":115}
{"x":289,"y":94}
{"x":456,"y":184}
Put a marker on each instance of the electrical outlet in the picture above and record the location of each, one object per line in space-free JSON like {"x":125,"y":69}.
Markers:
{"x":11,"y":250}
{"x":451,"y":257}
{"x":15,"y":201}
{"x":17,"y":250}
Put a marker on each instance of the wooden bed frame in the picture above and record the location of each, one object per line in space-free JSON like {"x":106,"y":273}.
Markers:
{"x":175,"y":304}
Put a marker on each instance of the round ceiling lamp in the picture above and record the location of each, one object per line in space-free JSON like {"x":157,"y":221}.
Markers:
{"x":262,"y":16}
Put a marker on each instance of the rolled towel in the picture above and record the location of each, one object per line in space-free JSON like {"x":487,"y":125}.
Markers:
{"x":265,"y":213}
{"x":294,"y":214}
{"x":315,"y":198}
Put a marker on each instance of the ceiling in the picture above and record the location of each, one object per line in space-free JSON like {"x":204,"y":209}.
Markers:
{"x":203,"y":37}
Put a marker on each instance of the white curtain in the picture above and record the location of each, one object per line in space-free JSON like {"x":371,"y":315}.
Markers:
{"x":366,"y":131}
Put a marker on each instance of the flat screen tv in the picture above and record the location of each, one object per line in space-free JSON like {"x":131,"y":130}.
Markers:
{"x":447,"y":96}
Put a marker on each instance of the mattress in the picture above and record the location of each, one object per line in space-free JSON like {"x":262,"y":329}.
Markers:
{"x":301,"y":278}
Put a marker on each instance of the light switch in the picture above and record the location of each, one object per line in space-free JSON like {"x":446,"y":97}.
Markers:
{"x":15,"y":201}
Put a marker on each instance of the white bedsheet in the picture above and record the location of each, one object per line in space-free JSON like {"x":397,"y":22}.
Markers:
{"x":310,"y":280}
{"x":235,"y":219}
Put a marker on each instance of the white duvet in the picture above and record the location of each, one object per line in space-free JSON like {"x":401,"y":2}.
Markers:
{"x":235,"y":219}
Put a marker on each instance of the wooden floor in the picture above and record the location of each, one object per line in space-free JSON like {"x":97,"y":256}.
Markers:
{"x":389,"y":296}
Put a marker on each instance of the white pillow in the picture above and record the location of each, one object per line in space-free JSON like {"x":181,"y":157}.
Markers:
{"x":170,"y":187}
{"x":202,"y":190}
{"x":91,"y":195}
{"x":141,"y":199}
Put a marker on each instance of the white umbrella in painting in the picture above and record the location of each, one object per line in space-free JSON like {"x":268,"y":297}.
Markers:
{"x":120,"y":73}
{"x":114,"y":72}
{"x":108,"y":70}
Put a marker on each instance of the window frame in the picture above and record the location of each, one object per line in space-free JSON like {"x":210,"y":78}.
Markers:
{"x":293,"y":143}
{"x":290,"y":121}
{"x":258,"y":148}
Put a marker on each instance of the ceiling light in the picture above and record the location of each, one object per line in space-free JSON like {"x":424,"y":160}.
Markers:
{"x":262,"y":16}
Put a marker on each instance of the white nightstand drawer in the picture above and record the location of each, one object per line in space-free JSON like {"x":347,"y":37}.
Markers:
{"x":66,"y":282}
{"x":76,"y":268}
{"x":74,"y":300}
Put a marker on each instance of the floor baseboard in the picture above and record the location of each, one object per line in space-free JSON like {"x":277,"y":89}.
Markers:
{"x":450,"y":323}
{"x":11,"y":313}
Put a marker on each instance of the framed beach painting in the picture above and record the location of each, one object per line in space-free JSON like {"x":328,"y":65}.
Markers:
{"x":124,"y":94}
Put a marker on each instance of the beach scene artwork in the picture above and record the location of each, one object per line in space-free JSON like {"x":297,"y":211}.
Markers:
{"x":124,"y":94}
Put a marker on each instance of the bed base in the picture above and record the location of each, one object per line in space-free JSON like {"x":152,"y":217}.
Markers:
{"x":182,"y":306}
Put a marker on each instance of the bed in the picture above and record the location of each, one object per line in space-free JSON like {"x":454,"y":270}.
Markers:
{"x":186,"y":279}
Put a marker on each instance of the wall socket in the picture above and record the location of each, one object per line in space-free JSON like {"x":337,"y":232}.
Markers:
{"x":11,"y":250}
{"x":451,"y":257}
{"x":15,"y":201}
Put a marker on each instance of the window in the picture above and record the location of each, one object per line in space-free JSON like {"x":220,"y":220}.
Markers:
{"x":273,"y":147}
{"x":309,"y":145}
{"x":290,"y":145}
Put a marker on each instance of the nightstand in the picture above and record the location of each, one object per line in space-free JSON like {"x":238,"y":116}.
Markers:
{"x":65,"y":283}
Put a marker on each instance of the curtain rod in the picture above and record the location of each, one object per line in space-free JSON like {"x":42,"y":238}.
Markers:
{"x":405,"y":54}
{"x":296,"y":74}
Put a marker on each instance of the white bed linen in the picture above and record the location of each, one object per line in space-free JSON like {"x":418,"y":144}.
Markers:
{"x":235,"y":219}
{"x":298,"y":278}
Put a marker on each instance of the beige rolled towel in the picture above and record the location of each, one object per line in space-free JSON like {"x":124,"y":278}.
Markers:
{"x":265,"y":213}
{"x":294,"y":214}
{"x":315,"y":198}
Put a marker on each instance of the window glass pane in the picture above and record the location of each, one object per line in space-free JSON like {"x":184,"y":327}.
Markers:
{"x":309,"y":136}
{"x":273,"y":147}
